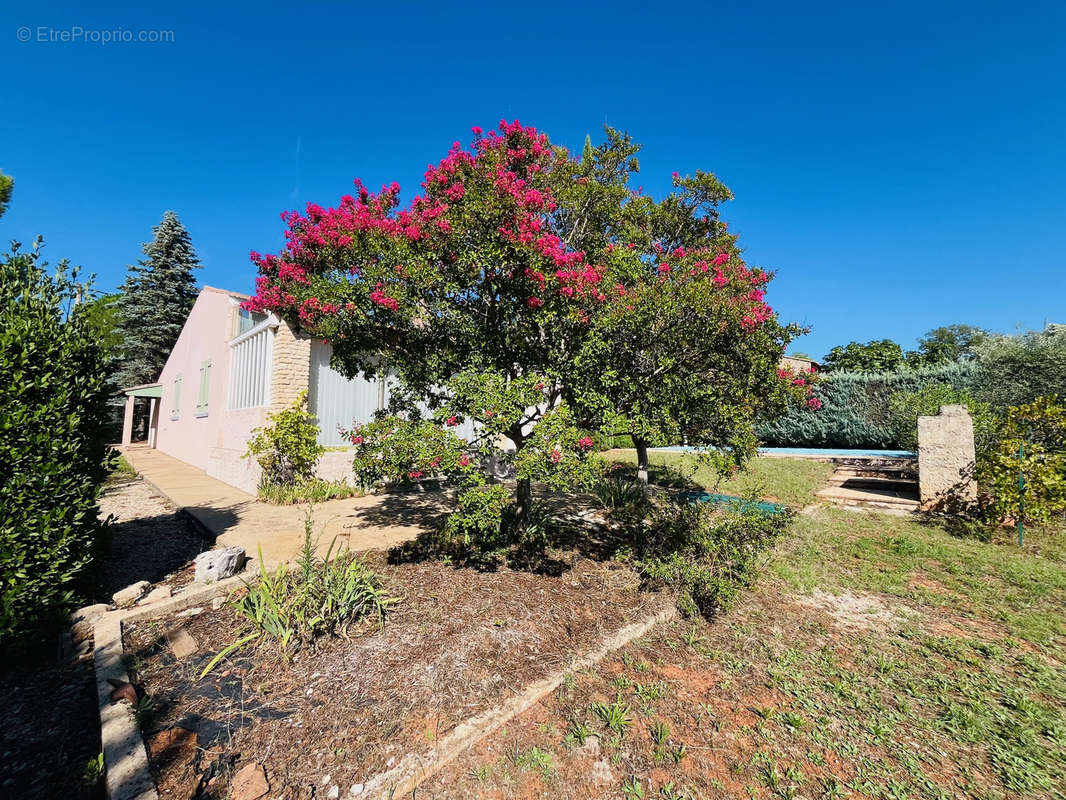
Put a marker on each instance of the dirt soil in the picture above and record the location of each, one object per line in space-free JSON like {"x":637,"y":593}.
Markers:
{"x":460,"y":642}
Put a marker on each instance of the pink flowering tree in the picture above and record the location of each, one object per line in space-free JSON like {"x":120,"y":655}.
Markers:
{"x":484,"y":295}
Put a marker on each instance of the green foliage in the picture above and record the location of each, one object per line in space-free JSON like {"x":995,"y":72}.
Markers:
{"x":706,"y":553}
{"x":7,"y":185}
{"x":287,"y":448}
{"x":557,"y":454}
{"x":53,"y":451}
{"x":856,"y":407}
{"x":616,"y":491}
{"x":615,"y":716}
{"x":1016,"y":370}
{"x":1038,"y":430}
{"x":906,"y":407}
{"x":875,"y":356}
{"x":312,"y":491}
{"x":156,"y":299}
{"x":946,"y":344}
{"x":401,"y":448}
{"x":481,"y":296}
{"x":478,"y":520}
{"x":319,"y":596}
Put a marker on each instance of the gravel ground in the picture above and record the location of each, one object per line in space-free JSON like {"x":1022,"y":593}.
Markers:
{"x":149,"y":540}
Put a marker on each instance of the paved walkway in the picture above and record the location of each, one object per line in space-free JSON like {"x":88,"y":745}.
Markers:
{"x":237,"y":518}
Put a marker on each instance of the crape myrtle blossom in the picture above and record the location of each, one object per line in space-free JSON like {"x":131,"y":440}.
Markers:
{"x":367,"y":232}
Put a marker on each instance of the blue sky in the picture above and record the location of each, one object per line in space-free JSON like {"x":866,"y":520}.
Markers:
{"x":901,"y":165}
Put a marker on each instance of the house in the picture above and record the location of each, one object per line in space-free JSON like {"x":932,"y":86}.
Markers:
{"x":227,"y":371}
{"x":799,"y":364}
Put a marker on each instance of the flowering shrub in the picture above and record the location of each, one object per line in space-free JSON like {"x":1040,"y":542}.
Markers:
{"x":398,"y":449}
{"x":487,"y":293}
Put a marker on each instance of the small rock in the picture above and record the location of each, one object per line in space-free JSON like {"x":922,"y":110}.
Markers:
{"x":601,"y":772}
{"x":214,"y":565}
{"x":154,"y":596}
{"x":356,"y":790}
{"x":131,"y":594}
{"x":326,"y":779}
{"x":88,"y":614}
{"x":181,"y":642}
{"x":217,"y":603}
{"x":123,"y":691}
{"x":334,"y":792}
{"x":191,"y":612}
{"x":249,"y":783}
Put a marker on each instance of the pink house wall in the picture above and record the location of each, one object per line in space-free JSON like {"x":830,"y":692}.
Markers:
{"x":195,"y":438}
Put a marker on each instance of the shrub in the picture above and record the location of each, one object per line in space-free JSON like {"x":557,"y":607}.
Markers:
{"x":906,"y":407}
{"x":401,"y":449}
{"x":616,"y":491}
{"x":1040,"y":428}
{"x":306,"y":491}
{"x":319,"y":596}
{"x":287,"y":449}
{"x":1016,"y":370}
{"x":53,"y":450}
{"x":480,"y":517}
{"x":855,"y":407}
{"x":706,"y":553}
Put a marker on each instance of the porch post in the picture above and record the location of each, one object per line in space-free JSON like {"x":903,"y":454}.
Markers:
{"x":153,"y":413}
{"x":127,"y":420}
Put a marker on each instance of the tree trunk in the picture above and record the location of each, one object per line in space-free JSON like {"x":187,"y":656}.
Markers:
{"x":642,"y":459}
{"x":523,"y":500}
{"x":524,"y":489}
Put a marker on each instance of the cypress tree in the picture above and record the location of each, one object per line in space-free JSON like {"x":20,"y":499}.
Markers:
{"x":157,"y":295}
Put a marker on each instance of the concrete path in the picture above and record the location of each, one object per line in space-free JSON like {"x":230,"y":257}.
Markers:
{"x":236,"y":518}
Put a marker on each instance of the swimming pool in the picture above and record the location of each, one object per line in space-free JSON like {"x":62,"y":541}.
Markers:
{"x":808,"y":452}
{"x":724,"y":499}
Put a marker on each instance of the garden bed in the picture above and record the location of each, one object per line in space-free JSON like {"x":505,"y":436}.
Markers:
{"x":461,"y":642}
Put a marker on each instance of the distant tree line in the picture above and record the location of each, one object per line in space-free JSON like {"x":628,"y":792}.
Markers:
{"x":866,"y":387}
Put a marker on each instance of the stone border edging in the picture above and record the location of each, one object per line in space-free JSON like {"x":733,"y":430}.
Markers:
{"x":416,"y":768}
{"x":126,"y":769}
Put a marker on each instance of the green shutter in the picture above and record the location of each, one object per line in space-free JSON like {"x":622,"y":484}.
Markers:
{"x":205,"y":389}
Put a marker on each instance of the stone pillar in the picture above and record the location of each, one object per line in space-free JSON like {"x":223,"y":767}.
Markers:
{"x":290,"y":368}
{"x":946,"y":460}
{"x":127,"y":420}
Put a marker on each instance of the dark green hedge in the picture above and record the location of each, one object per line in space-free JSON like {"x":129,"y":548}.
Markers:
{"x":855,"y":408}
{"x":53,"y":451}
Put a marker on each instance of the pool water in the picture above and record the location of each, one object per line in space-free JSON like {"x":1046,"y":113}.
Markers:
{"x":821,"y":452}
{"x":723,"y":499}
